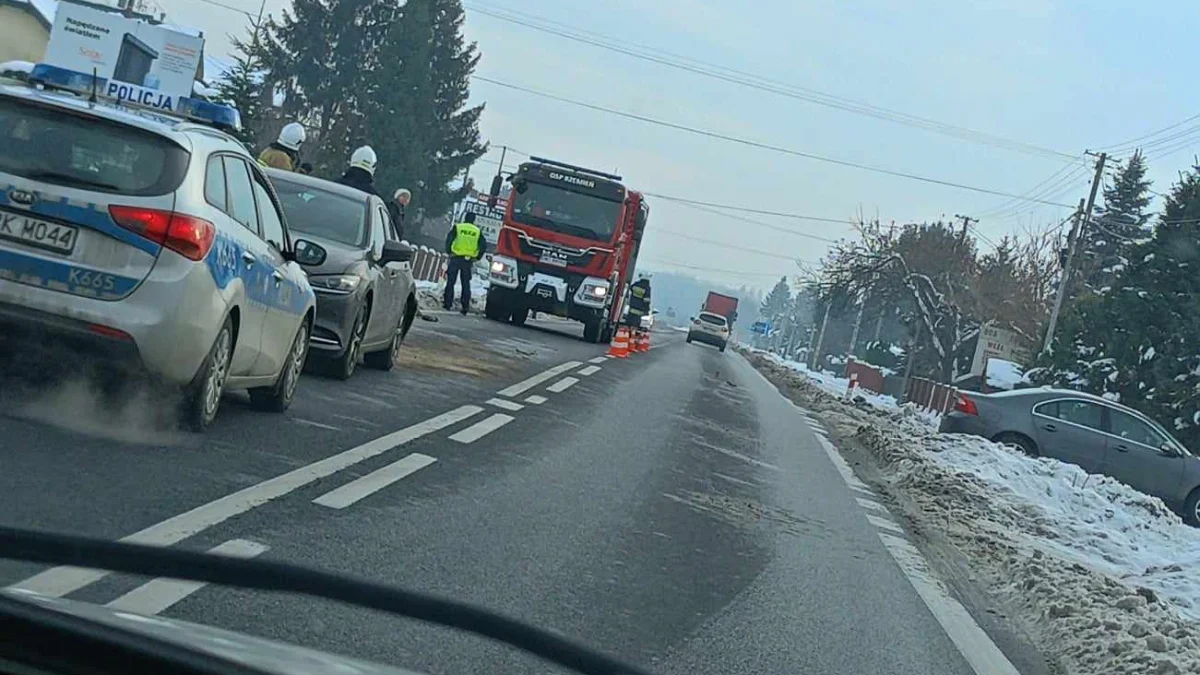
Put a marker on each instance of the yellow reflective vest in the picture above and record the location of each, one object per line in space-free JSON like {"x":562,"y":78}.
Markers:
{"x":466,"y":241}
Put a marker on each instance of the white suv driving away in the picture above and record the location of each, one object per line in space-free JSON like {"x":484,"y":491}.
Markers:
{"x":710,"y":329}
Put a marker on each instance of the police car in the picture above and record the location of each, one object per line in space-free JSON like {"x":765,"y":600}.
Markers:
{"x":149,"y":240}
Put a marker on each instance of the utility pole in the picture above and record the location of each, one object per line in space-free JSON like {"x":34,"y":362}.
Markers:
{"x":966,"y":220}
{"x":1082,"y":218}
{"x":862,"y":304}
{"x":820,"y":337}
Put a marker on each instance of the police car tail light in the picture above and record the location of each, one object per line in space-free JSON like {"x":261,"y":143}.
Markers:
{"x":187,"y":235}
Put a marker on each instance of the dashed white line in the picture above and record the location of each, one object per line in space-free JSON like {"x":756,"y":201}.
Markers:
{"x":373,"y":482}
{"x":598,"y":359}
{"x":984,"y":657}
{"x":529,"y":383}
{"x":482,"y":428}
{"x":505,"y":405}
{"x":310,"y":423}
{"x":870,"y":504}
{"x":59,"y":581}
{"x":590,"y":370}
{"x":536,"y":400}
{"x":885,"y":524}
{"x":157,"y":595}
{"x":563,"y":385}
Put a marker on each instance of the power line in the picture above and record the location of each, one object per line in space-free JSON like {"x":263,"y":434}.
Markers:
{"x":1050,"y":183}
{"x":755,"y":144}
{"x":747,"y":209}
{"x":231,"y":8}
{"x":753,"y":81}
{"x":759,"y":223}
{"x":702,"y":268}
{"x":1132,"y":143}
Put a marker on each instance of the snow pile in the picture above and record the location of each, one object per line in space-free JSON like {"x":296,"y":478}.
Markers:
{"x":1105,"y":579}
{"x":831,"y":383}
{"x":430,"y":293}
{"x":1003,"y":374}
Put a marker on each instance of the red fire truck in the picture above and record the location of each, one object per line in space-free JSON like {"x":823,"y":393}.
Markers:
{"x":567,"y":246}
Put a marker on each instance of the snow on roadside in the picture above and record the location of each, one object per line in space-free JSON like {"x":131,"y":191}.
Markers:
{"x":1104,"y":579}
{"x":831,"y":383}
{"x":429,"y":294}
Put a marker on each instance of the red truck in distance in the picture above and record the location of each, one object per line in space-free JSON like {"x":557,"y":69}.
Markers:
{"x":567,"y":246}
{"x":725,"y":305}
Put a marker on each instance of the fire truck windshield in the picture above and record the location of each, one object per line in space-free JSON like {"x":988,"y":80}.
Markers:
{"x":565,"y":211}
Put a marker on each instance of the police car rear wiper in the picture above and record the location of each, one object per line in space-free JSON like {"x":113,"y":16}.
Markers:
{"x":66,"y":178}
{"x":151,"y":561}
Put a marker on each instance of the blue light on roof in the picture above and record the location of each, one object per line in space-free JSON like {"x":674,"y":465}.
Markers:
{"x":120,"y":93}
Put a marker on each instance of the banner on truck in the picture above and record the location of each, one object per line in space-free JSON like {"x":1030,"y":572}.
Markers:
{"x":139,"y":62}
{"x":487,"y":219}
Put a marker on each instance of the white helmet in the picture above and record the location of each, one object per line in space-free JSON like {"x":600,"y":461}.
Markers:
{"x":364,"y":158}
{"x":291,"y":136}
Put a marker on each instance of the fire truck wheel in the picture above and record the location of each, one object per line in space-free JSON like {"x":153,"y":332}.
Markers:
{"x":496,"y":309}
{"x":591,"y":331}
{"x":519,"y":315}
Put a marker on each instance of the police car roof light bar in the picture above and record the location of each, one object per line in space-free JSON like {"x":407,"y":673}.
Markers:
{"x":552,"y":162}
{"x":189,"y":109}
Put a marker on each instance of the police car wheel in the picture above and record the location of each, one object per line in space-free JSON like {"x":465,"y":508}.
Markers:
{"x":203,"y":398}
{"x":278,"y":397}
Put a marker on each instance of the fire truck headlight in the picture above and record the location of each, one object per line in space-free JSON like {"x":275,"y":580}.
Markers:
{"x":504,"y":271}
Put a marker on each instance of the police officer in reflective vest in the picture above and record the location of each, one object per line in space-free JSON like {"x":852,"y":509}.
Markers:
{"x":465,"y":244}
{"x":639,"y":301}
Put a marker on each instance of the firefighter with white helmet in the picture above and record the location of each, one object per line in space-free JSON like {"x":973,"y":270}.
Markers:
{"x":284,"y":153}
{"x":361,"y":172}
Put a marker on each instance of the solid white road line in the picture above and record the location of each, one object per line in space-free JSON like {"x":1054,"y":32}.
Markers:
{"x":373,"y":482}
{"x":527,"y":384}
{"x":156,"y":595}
{"x":482,"y":428}
{"x":885,"y":524}
{"x":869,"y":504}
{"x":598,"y":359}
{"x":984,"y":657}
{"x":59,"y":581}
{"x":536,"y":400}
{"x":505,"y":405}
{"x":562,"y":385}
{"x":590,"y":370}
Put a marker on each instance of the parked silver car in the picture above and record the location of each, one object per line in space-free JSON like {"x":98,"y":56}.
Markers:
{"x":152,"y":242}
{"x":1096,"y":434}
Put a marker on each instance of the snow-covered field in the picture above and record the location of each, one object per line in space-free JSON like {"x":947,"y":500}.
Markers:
{"x":429,"y":294}
{"x":1104,"y":579}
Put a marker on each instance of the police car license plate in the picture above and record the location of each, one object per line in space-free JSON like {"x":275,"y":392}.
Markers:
{"x":33,"y":232}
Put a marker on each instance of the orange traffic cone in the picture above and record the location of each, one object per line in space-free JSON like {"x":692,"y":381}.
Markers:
{"x":643,"y":342}
{"x":646,"y":341}
{"x":620,"y":344}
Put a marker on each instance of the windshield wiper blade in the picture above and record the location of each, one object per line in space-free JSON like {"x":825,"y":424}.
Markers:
{"x":59,"y":177}
{"x":153,"y":561}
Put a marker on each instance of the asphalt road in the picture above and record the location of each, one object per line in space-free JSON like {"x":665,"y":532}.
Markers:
{"x":671,"y":508}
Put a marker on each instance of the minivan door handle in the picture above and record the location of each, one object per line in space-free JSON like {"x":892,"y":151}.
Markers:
{"x":1049,"y":427}
{"x":248,"y":258}
{"x":1121,"y":447}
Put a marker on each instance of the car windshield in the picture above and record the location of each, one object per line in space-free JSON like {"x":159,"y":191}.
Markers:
{"x":566,"y":211}
{"x":323,"y":213}
{"x":48,"y":145}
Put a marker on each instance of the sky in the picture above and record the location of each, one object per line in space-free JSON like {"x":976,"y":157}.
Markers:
{"x":1058,"y":77}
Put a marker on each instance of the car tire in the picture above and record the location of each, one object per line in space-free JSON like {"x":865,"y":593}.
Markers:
{"x":722,"y":347}
{"x":519,"y":316}
{"x":202,"y":399}
{"x":279,"y":396}
{"x":1019,"y":442}
{"x":385,"y":359}
{"x":689,"y":338}
{"x":343,"y":367}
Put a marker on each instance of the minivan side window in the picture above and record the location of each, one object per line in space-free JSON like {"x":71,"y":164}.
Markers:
{"x":241,"y":193}
{"x":268,"y":211}
{"x":214,"y":183}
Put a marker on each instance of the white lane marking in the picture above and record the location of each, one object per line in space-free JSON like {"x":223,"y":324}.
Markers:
{"x":871,"y":504}
{"x":529,"y":383}
{"x":157,"y":595}
{"x":590,"y":370}
{"x":367,"y":399}
{"x":984,"y":657}
{"x":482,"y":428}
{"x":373,"y":482}
{"x":356,"y":420}
{"x":598,"y":359}
{"x":885,"y":524}
{"x":866,"y":492}
{"x":318,"y":425}
{"x":563,"y":385}
{"x":505,"y":405}
{"x":738,"y":455}
{"x":536,"y":400}
{"x":59,"y":581}
{"x":736,"y":481}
